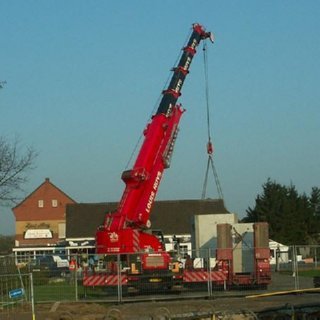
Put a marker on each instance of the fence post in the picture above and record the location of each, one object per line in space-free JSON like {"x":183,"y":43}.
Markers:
{"x":119,"y":278}
{"x":209,"y":273}
{"x":32,"y":296}
{"x":295,"y":268}
{"x":76,"y":282}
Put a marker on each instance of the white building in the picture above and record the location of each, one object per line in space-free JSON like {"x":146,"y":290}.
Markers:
{"x":280,"y":250}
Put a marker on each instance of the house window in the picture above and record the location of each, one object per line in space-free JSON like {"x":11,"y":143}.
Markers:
{"x":54,"y":203}
{"x":40,"y":203}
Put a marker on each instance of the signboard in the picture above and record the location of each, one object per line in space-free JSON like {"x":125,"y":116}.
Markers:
{"x":16,"y":293}
{"x":38,"y":234}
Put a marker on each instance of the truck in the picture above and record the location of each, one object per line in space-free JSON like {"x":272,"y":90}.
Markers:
{"x":235,"y":266}
{"x":127,"y":231}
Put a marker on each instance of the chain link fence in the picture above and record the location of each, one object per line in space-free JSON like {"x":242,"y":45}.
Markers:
{"x":16,"y":288}
{"x":134,"y":277}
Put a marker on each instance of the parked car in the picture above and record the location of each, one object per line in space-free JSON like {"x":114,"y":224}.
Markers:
{"x":54,"y":266}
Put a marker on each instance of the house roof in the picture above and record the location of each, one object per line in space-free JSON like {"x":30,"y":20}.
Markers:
{"x":172,"y":217}
{"x":46,"y":182}
{"x":30,"y":210}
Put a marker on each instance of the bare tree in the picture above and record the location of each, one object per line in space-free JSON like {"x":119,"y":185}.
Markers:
{"x":2,"y":83}
{"x":15,"y":163}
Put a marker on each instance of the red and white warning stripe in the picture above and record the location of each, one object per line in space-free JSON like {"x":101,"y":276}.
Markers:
{"x":103,"y":280}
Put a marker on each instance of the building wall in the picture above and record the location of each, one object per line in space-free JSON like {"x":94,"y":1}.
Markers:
{"x":280,"y":249}
{"x":41,"y":216}
{"x":56,"y":227}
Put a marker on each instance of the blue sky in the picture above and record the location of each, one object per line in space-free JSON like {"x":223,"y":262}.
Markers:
{"x":84,"y":76}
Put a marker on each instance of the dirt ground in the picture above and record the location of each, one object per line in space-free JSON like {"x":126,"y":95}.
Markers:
{"x":224,"y":308}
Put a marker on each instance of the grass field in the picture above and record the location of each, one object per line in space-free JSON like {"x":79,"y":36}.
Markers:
{"x":309,"y":273}
{"x":305,"y":273}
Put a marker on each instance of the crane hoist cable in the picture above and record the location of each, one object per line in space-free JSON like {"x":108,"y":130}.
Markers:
{"x":210,"y":162}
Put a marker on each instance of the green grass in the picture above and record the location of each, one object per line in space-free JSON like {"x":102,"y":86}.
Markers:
{"x":54,"y":292}
{"x":304,"y":273}
{"x":57,"y":292}
{"x":309,"y":273}
{"x":64,"y":291}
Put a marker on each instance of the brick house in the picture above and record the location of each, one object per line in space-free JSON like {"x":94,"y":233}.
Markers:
{"x":41,"y":218}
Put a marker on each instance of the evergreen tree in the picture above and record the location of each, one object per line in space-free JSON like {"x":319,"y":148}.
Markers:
{"x":292,"y":218}
{"x":6,"y":244}
{"x":315,"y":214}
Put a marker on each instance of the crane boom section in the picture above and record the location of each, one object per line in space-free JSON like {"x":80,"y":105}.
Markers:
{"x":171,"y":95}
{"x":143,"y":180}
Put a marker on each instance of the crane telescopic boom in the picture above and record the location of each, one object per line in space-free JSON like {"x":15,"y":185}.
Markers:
{"x":122,"y":231}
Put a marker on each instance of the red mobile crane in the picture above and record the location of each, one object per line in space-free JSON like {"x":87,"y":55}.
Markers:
{"x":125,"y":231}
